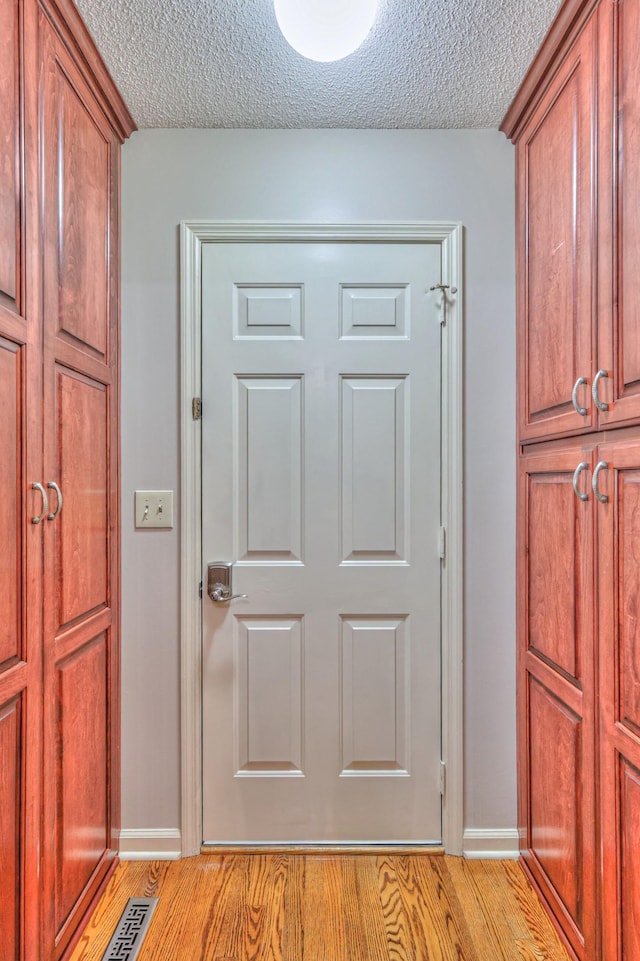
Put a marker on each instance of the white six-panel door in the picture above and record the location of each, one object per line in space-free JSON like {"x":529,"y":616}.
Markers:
{"x":321,"y":483}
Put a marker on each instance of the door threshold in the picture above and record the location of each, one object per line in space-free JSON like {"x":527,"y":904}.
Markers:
{"x":429,"y":848}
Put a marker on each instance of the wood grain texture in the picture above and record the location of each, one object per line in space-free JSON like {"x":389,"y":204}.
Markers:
{"x":82,"y":778}
{"x":619,"y":683}
{"x":556,"y":317}
{"x":61,"y":121}
{"x":555,"y":759}
{"x":619,"y":225}
{"x":556,"y":683}
{"x":629,"y":906}
{"x":11,"y":515}
{"x":80,"y":297}
{"x":66,"y":17}
{"x":11,"y":210}
{"x":11,"y":874}
{"x":82,"y":531}
{"x":554,"y":569}
{"x":83,"y":222}
{"x":292,"y":907}
{"x":568,"y":23}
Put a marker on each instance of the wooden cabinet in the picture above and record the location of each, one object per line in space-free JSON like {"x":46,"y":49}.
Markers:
{"x":619,"y":692}
{"x":619,"y":224}
{"x":555,"y":224}
{"x":578,"y":163}
{"x":61,"y":126}
{"x":556,"y":706}
{"x":11,"y":132}
{"x":576,"y":125}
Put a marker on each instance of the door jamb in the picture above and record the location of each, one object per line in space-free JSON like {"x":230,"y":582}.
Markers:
{"x":195,"y":233}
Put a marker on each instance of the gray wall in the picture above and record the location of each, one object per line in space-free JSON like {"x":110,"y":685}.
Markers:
{"x":325,"y":176}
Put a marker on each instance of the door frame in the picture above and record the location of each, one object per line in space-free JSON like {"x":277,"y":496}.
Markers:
{"x":195,"y":233}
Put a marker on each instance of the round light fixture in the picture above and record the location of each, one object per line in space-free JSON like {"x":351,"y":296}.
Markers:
{"x":325,"y":30}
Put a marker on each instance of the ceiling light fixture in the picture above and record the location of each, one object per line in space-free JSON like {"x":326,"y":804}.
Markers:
{"x":325,"y":30}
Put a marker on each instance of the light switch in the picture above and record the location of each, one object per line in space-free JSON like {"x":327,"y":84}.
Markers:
{"x":154,"y":509}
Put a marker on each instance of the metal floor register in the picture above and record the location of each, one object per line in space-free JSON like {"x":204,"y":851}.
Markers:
{"x":130,"y":930}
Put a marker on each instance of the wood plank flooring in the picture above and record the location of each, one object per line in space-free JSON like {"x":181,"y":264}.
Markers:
{"x":295,"y":907}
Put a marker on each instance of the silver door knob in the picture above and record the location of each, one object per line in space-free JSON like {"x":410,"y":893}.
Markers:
{"x":220,"y":594}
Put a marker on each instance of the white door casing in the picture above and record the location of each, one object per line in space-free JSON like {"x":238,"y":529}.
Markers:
{"x":270,"y":394}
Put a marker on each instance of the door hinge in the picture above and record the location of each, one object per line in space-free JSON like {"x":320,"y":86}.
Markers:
{"x":200,"y":590}
{"x":196,"y":408}
{"x":442,"y":543}
{"x":443,"y":777}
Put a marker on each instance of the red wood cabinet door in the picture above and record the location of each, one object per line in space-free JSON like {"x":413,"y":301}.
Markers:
{"x":619,"y":636}
{"x":619,"y":213}
{"x":11,"y":169}
{"x":556,"y":685}
{"x":556,"y":316}
{"x":80,"y":191}
{"x":20,"y":652}
{"x":20,"y":539}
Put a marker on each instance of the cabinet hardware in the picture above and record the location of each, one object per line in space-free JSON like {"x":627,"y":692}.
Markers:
{"x":603,"y":498}
{"x":581,"y":495}
{"x":45,"y":502}
{"x":53,"y":486}
{"x":600,"y":404}
{"x":574,"y":397}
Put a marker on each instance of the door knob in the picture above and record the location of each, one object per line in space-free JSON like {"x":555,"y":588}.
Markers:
{"x":219,"y":586}
{"x":220,"y":594}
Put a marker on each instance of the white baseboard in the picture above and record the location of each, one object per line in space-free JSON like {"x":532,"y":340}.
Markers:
{"x":491,"y":843}
{"x":150,"y":844}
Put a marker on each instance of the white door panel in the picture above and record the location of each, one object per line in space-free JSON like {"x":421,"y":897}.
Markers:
{"x":321,"y":482}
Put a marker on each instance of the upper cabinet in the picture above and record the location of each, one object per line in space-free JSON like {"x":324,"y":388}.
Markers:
{"x":556,"y":310}
{"x":11,"y":220}
{"x":618,"y":213}
{"x":576,"y":127}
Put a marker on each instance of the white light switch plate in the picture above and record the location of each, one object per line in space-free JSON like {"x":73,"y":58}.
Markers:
{"x":154,"y":509}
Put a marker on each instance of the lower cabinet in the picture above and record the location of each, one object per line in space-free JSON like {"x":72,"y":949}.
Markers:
{"x":556,"y":729}
{"x":619,"y":697}
{"x":579,"y":688}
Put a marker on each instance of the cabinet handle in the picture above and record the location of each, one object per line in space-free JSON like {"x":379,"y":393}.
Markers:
{"x":576,"y":477}
{"x":574,"y":397}
{"x":600,"y":404}
{"x":603,"y":498}
{"x":53,"y":486}
{"x":45,"y":502}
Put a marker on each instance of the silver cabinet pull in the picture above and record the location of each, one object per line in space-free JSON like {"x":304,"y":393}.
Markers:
{"x":601,"y":465}
{"x":600,"y":404}
{"x":53,"y":486}
{"x":45,"y":502}
{"x":576,"y":478}
{"x":574,"y":397}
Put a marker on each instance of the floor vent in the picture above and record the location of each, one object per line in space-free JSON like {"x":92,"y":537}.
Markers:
{"x":131,"y":929}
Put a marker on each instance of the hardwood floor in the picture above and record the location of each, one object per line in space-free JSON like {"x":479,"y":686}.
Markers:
{"x":294,"y":907}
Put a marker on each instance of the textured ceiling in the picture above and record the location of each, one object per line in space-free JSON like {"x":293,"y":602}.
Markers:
{"x":224,"y":63}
